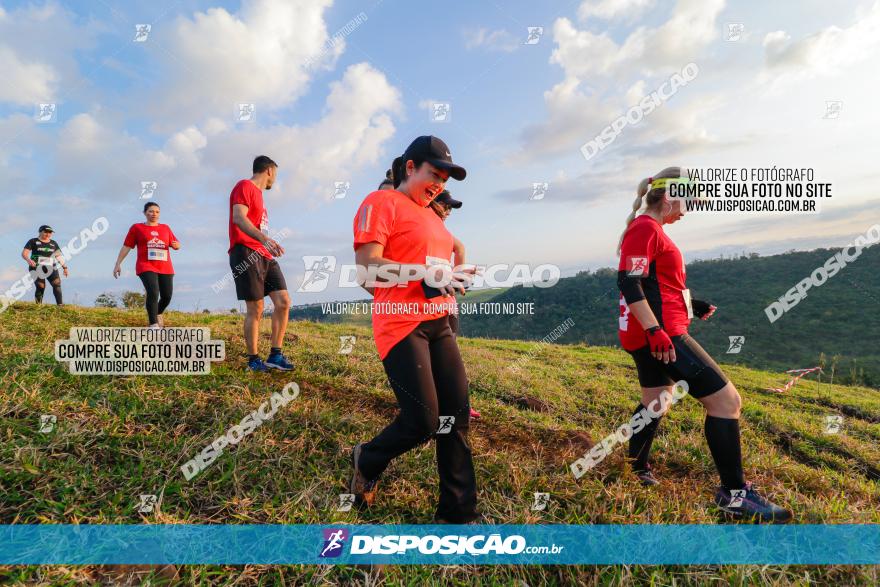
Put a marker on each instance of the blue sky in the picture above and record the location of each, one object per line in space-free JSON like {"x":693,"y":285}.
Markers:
{"x":164,"y":110}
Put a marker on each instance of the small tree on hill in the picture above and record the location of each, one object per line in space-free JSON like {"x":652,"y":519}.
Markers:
{"x":133,"y":299}
{"x":106,"y":300}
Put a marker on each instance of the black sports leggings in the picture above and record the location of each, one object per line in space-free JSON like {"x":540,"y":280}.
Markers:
{"x":427,"y":375}
{"x":40,"y":285}
{"x":159,"y":287}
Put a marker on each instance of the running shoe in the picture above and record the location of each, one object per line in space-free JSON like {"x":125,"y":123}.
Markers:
{"x":154,"y":326}
{"x":363,"y":489}
{"x":257,"y":365}
{"x":278,"y":361}
{"x":749,"y":504}
{"x":475,"y":415}
{"x":646,"y":476}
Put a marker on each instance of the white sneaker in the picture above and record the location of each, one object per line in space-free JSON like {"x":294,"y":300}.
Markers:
{"x":154,"y":326}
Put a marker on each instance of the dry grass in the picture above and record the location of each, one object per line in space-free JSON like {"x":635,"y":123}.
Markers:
{"x":119,"y":437}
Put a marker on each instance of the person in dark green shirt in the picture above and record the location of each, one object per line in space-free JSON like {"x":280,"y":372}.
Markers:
{"x":43,"y":256}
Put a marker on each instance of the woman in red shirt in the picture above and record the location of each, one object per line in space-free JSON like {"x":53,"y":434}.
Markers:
{"x":655,"y":312}
{"x":153,"y":266}
{"x":395,"y":230}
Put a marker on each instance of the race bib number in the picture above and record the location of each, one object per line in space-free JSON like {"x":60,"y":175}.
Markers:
{"x":623,"y":320}
{"x":157,"y":255}
{"x":264,"y":224}
{"x":45,"y":261}
{"x":429,"y":260}
{"x":686,"y":294}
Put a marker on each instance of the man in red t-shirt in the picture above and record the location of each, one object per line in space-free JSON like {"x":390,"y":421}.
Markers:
{"x":254,"y":269}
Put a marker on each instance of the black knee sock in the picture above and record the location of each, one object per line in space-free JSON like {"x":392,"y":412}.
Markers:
{"x":722,"y":434}
{"x":640,"y":443}
{"x":38,"y":295}
{"x":56,"y":290}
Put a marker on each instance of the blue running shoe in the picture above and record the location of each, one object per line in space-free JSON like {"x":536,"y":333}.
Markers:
{"x":748,"y":503}
{"x":278,"y":361}
{"x":257,"y":365}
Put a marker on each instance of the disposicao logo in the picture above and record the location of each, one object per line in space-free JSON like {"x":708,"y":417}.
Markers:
{"x":334,"y":539}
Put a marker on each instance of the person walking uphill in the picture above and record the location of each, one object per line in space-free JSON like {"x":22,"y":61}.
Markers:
{"x":655,"y":311}
{"x":43,"y":256}
{"x":154,"y":242}
{"x":254,"y":269}
{"x":411,"y":330}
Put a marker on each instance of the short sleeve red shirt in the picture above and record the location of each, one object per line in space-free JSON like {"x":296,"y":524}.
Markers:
{"x":248,"y":194}
{"x":411,"y":234}
{"x":153,"y":245}
{"x":647,"y":252}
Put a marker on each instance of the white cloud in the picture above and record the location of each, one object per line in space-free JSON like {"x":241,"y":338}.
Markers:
{"x":25,"y":83}
{"x":691,"y":26}
{"x":825,"y":51}
{"x":356,"y":124}
{"x":260,"y":55}
{"x":610,"y":9}
{"x":37,"y":47}
{"x":497,"y":40}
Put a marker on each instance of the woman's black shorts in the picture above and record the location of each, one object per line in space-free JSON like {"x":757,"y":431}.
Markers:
{"x":692,"y":364}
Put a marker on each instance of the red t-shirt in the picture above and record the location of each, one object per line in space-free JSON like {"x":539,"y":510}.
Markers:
{"x":411,"y":234}
{"x":648,"y":253}
{"x":245,"y":192}
{"x":153,"y":247}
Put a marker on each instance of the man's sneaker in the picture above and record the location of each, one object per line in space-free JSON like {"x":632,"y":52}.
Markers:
{"x":748,"y":503}
{"x":363,"y":489}
{"x":257,"y":365}
{"x":278,"y":361}
{"x":646,"y":476}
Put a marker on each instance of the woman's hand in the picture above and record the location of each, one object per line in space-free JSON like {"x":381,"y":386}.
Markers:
{"x":117,"y":271}
{"x":175,"y":245}
{"x":703,"y":310}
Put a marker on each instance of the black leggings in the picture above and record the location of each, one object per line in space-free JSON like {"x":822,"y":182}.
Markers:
{"x":40,"y":284}
{"x":158,"y":286}
{"x":427,"y":375}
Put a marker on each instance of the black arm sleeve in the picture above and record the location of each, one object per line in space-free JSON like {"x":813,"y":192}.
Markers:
{"x":630,"y":286}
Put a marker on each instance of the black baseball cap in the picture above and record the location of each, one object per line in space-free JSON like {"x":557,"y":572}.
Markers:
{"x":444,"y":197}
{"x":435,"y":152}
{"x":46,"y":228}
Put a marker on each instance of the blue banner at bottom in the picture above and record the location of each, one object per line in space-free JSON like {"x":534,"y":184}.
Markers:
{"x":440,"y":544}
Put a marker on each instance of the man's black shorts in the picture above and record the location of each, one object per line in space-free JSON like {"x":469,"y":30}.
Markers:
{"x":255,"y":276}
{"x":692,"y":364}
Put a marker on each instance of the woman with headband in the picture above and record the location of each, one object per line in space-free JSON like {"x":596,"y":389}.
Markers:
{"x":655,"y":312}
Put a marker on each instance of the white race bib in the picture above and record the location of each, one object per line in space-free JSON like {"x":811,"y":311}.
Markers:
{"x":45,"y":261}
{"x":157,"y":254}
{"x":686,"y":294}
{"x":264,"y":223}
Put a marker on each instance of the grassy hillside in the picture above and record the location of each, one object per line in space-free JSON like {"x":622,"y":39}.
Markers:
{"x":835,"y":319}
{"x":116,"y":438}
